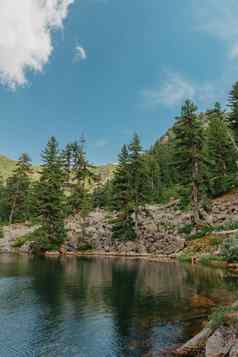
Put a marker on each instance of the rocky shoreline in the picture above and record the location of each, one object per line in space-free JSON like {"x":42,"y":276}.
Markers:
{"x":162,"y":232}
{"x":217,"y":339}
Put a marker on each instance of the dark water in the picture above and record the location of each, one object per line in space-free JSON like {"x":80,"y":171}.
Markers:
{"x":92,"y":307}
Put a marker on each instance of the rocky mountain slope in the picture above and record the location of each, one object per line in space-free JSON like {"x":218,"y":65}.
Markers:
{"x":163,"y":230}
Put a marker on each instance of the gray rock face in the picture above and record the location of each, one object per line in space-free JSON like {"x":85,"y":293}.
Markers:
{"x":11,"y":233}
{"x":156,"y":234}
{"x":221,"y":343}
{"x":158,"y":231}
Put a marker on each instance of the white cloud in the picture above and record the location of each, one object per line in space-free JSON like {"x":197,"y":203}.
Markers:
{"x":175,"y":89}
{"x":25,"y":36}
{"x":219,"y":19}
{"x":80,"y":54}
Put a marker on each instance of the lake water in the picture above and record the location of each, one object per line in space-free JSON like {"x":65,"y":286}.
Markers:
{"x":92,"y":307}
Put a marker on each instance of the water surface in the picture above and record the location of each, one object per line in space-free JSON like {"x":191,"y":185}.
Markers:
{"x":109,"y":307}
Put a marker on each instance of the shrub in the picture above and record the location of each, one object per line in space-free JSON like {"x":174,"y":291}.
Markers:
{"x":185,"y":229}
{"x":229,"y":250}
{"x":19,"y":242}
{"x":34,"y":236}
{"x":201,"y":233}
{"x":83,"y":247}
{"x":185,"y":258}
{"x":207,"y":259}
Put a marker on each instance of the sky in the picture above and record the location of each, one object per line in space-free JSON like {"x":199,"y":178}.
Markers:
{"x":109,"y":68}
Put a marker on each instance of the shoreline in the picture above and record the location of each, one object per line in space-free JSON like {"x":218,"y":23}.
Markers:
{"x":230,"y":267}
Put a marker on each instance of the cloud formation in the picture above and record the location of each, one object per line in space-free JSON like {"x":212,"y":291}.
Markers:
{"x":175,"y":89}
{"x":219,"y":19}
{"x":25,"y":36}
{"x":80,"y":54}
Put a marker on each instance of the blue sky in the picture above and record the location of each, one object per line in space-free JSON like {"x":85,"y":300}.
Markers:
{"x":108,"y":68}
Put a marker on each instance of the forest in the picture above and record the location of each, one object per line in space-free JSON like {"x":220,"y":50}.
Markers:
{"x":195,"y":161}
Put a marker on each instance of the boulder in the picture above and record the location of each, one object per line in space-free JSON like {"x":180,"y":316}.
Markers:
{"x":221,"y":343}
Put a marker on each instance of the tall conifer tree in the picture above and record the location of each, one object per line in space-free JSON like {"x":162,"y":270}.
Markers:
{"x":233,"y":114}
{"x":189,"y":154}
{"x":222,"y":155}
{"x":51,"y":195}
{"x":18,"y":188}
{"x":123,"y":225}
{"x":138,"y":179}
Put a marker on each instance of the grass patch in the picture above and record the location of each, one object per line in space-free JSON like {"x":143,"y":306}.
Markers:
{"x":186,"y":229}
{"x":20,"y":241}
{"x":185,"y":258}
{"x":206,"y":230}
{"x":219,"y":317}
{"x":207,"y":259}
{"x":84,"y":247}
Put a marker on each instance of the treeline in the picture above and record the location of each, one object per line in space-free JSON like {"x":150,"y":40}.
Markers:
{"x":195,"y":161}
{"x":63,"y":188}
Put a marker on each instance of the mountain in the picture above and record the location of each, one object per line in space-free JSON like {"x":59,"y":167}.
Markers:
{"x":7,"y":167}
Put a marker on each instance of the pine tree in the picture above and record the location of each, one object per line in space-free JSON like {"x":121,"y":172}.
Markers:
{"x":222,"y":155}
{"x":18,"y":189}
{"x":164,"y":174}
{"x":152,"y":167}
{"x":51,"y":196}
{"x":123,"y":225}
{"x":120,"y":182}
{"x":189,"y":154}
{"x":138,"y":179}
{"x":233,"y":114}
{"x":81,"y":178}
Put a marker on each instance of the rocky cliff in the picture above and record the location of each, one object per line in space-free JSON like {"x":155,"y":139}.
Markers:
{"x":161,"y":230}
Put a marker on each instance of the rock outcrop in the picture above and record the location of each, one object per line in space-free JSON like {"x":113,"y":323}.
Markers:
{"x":215,"y":340}
{"x":160,"y":230}
{"x":12,"y":233}
{"x":223,"y":342}
{"x":157,"y":233}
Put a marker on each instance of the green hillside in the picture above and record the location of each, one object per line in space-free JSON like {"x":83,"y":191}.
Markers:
{"x":7,"y":167}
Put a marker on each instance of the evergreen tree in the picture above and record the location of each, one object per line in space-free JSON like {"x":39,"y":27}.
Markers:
{"x":102,"y":196}
{"x":164,"y":174}
{"x":189,"y":158}
{"x":123,"y":225}
{"x":4,"y":204}
{"x":233,"y":115}
{"x":222,"y":155}
{"x":51,"y":196}
{"x":81,"y":178}
{"x":152,"y":167}
{"x":138,"y":179}
{"x":18,"y":189}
